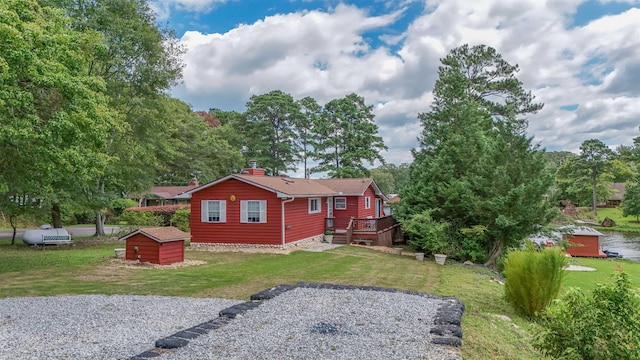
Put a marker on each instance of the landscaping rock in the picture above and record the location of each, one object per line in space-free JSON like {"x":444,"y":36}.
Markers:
{"x":171,"y":342}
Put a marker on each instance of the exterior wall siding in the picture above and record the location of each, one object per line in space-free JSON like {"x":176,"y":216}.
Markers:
{"x":147,"y":249}
{"x":232,"y":231}
{"x":362,"y":211}
{"x":154,"y":252}
{"x":299,"y":224}
{"x":587,"y":246}
{"x":171,"y":252}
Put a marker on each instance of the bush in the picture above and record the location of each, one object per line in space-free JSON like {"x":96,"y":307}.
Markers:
{"x":426,"y":234}
{"x":181,"y":219}
{"x":471,"y":242}
{"x":163,"y":211}
{"x":142,"y":218}
{"x":118,"y":206}
{"x":603,"y":326}
{"x":533,"y":278}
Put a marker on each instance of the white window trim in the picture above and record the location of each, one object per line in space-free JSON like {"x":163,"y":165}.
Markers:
{"x":318,"y":205}
{"x":335,"y":203}
{"x":367,"y":202}
{"x":244,"y":212}
{"x":204,"y":216}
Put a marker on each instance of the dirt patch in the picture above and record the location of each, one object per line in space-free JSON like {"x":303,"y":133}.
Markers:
{"x":578,"y":268}
{"x":131,"y":264}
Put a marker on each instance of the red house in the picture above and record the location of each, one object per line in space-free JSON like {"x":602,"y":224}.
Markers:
{"x":251,"y":208}
{"x":584,"y":242}
{"x":162,"y":245}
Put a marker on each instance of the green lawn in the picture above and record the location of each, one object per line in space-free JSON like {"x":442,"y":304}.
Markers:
{"x":492,"y":330}
{"x":624,"y":224}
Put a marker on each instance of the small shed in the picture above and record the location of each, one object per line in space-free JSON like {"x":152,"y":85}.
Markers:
{"x":585,"y":242}
{"x":161,"y":245}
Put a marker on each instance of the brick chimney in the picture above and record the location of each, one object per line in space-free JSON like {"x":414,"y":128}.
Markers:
{"x":253,"y":169}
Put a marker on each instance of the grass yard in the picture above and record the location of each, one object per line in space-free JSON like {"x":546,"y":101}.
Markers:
{"x":624,"y":224}
{"x":492,"y":330}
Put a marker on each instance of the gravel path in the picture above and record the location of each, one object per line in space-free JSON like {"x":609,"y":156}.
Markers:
{"x":326,"y":324}
{"x":95,"y":326}
{"x":306,"y":321}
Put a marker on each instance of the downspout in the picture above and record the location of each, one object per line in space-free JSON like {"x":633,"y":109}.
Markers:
{"x":284,"y":201}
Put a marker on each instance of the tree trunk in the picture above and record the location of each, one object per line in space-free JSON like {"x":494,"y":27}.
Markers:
{"x":14,"y":225}
{"x":594,"y":183}
{"x":56,"y":216}
{"x":100,"y":219}
{"x":495,"y":254}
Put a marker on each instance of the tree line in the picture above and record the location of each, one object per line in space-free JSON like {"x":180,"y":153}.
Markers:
{"x":585,"y":178}
{"x":279,"y":132}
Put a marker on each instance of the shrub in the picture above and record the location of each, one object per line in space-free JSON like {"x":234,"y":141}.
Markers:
{"x":181,"y":219}
{"x":141,"y":218}
{"x":426,"y":234}
{"x":603,"y":326}
{"x":470,"y":243}
{"x":533,"y":278}
{"x":118,"y":206}
{"x":163,"y":211}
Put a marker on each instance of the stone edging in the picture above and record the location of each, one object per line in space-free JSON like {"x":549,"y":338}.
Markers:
{"x":446,"y":327}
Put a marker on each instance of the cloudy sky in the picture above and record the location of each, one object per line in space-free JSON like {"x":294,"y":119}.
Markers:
{"x":580,"y":58}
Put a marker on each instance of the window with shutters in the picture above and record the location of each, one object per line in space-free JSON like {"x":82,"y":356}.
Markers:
{"x":253,"y":211}
{"x":214,"y":211}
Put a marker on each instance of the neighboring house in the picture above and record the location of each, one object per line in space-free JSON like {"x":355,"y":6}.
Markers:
{"x":251,"y":208}
{"x":617,"y":194}
{"x":166,"y":195}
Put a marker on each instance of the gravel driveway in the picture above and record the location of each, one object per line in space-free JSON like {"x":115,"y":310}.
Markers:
{"x":95,"y":326}
{"x":298,"y":323}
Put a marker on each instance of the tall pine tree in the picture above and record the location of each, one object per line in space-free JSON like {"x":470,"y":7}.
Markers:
{"x":475,"y":167}
{"x":347,"y":137}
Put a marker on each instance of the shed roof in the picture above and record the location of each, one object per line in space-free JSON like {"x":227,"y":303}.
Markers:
{"x":581,"y":230}
{"x":160,"y":234}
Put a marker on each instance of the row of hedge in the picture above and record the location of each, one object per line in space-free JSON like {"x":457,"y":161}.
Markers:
{"x":154,"y":216}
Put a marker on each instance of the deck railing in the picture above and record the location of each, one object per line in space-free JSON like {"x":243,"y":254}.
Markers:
{"x":360,"y":224}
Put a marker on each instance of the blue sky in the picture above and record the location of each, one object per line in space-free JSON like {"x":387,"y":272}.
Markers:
{"x":580,"y":58}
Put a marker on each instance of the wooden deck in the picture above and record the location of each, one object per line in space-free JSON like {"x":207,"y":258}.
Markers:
{"x":382,"y":231}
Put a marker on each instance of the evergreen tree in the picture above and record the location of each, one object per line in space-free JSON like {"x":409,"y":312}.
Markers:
{"x":594,"y":157}
{"x":271,"y":118}
{"x":475,"y":167}
{"x":347,"y":137}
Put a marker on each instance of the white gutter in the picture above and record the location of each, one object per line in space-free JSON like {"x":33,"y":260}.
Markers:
{"x":283,"y":222}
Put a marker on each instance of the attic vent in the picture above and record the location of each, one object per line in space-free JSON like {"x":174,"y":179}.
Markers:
{"x":287,"y":180}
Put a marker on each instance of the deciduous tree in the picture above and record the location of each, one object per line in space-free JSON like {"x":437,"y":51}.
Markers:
{"x":631,"y":201}
{"x":54,"y":117}
{"x":138,"y":61}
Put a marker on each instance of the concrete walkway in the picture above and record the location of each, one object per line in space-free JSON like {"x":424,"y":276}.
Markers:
{"x":322,"y":247}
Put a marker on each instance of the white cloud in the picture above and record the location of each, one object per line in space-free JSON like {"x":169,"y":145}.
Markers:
{"x":324,"y":54}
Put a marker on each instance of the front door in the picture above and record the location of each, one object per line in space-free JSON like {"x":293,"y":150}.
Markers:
{"x":330,"y":207}
{"x":378,"y":207}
